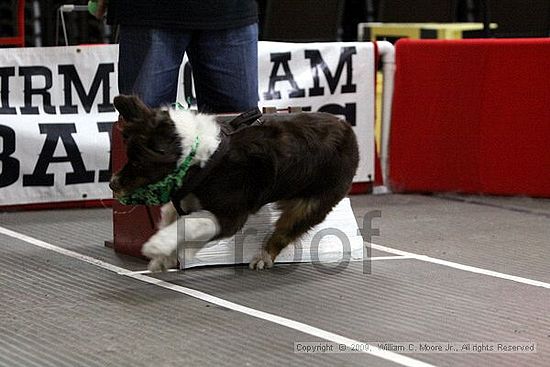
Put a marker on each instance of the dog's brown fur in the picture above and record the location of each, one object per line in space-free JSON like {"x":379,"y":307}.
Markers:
{"x":304,"y":162}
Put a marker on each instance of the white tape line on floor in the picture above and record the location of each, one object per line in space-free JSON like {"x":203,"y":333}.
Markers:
{"x":295,"y":325}
{"x":471,"y":269}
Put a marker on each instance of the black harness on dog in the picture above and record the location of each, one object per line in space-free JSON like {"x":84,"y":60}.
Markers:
{"x":228,"y":126}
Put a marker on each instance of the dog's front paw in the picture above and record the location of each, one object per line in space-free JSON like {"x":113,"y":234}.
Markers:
{"x":162,"y":252}
{"x":162,"y":263}
{"x":159,"y":246}
{"x":261,"y":261}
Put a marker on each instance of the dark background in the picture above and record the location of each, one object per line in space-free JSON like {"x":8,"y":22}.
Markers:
{"x":302,"y":20}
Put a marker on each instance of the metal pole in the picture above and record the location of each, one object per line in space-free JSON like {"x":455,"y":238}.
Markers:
{"x":486,"y":16}
{"x":387,"y":54}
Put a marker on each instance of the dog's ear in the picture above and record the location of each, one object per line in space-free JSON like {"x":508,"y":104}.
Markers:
{"x":131,"y":107}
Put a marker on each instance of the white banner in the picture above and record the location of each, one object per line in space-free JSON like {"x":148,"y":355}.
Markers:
{"x":56,"y":110}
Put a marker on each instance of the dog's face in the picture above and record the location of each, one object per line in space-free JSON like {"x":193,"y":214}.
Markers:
{"x":152,"y":145}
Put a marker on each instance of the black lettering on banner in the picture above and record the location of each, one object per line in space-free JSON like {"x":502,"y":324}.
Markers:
{"x":106,"y":127}
{"x":5,"y":74}
{"x":317,"y":62}
{"x":71,"y":78}
{"x":28,"y":72}
{"x":9,"y":164}
{"x":349,"y":110}
{"x":54,"y":132}
{"x":282,"y":59}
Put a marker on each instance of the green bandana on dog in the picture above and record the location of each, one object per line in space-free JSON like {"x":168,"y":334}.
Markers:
{"x":160,"y":192}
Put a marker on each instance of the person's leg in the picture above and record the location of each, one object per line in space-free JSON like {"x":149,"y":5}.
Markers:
{"x":225,"y":69}
{"x":149,"y":63}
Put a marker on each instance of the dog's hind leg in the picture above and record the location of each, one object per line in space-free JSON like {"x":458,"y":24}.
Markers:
{"x":297,"y":217}
{"x":191,"y":231}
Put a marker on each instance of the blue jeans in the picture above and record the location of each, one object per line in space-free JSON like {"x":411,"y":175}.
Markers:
{"x":224,"y":64}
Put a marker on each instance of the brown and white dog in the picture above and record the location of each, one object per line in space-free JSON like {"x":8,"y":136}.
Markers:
{"x":303,"y":162}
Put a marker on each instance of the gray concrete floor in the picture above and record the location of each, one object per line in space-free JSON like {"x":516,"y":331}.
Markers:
{"x":59,"y":310}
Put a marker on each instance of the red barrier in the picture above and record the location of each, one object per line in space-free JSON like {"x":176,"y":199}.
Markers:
{"x":472,"y":116}
{"x":132,"y":225}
